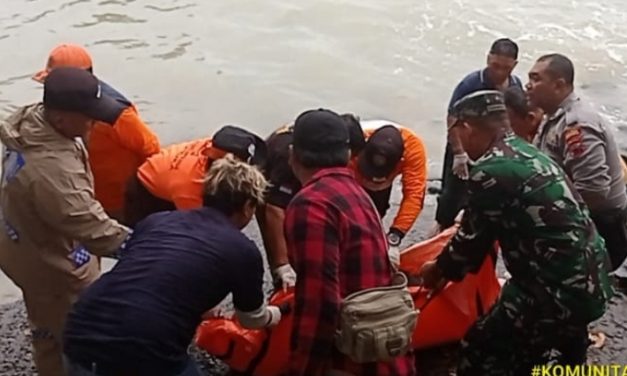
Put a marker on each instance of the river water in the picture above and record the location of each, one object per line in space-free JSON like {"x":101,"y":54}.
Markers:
{"x":192,"y":66}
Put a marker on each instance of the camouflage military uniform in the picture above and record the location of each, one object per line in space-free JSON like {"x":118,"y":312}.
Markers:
{"x":522,"y":199}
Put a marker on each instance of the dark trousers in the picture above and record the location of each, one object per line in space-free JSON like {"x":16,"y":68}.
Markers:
{"x":381,"y":200}
{"x":140,"y":203}
{"x":612,"y":226}
{"x":511,"y":339}
{"x":453,"y":196}
{"x":94,"y":369}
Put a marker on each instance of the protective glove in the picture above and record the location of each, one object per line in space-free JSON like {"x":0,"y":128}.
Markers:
{"x":275,"y":315}
{"x":460,"y":166}
{"x":287,"y":275}
{"x":394,"y":254}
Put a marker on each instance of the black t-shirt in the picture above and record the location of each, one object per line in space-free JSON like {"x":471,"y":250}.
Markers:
{"x":143,"y":314}
{"x":284,"y":185}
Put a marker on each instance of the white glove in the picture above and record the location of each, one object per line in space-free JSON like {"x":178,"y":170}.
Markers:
{"x":287,"y":275}
{"x":275,"y":312}
{"x":460,"y":165}
{"x":394,"y":254}
{"x":460,"y":215}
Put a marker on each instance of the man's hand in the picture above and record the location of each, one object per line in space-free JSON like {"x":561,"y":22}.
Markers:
{"x":432,"y":277}
{"x":460,"y":166}
{"x":394,"y":254}
{"x":275,"y":316}
{"x":287,"y":275}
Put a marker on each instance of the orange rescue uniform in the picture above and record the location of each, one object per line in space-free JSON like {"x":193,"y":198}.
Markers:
{"x":176,"y":173}
{"x":413,"y":171}
{"x":115,"y":153}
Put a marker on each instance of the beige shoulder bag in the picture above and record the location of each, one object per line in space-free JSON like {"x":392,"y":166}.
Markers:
{"x":377,"y":324}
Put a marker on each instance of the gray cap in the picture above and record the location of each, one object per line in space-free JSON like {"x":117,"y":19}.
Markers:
{"x":479,"y":104}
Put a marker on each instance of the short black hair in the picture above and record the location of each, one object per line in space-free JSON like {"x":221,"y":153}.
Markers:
{"x":560,"y":67}
{"x":357,"y":140}
{"x":516,"y":100}
{"x":505,"y":47}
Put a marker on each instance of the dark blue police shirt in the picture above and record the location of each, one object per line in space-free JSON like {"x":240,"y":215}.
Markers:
{"x":142,"y":315}
{"x":453,"y":195}
{"x":475,"y":81}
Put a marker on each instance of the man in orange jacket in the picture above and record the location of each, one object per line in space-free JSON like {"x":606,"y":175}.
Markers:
{"x":173,"y":178}
{"x":117,"y":146}
{"x":392,"y":150}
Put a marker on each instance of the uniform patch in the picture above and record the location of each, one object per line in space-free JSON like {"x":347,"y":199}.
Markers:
{"x":573,"y":138}
{"x":285,"y":189}
{"x":80,"y":256}
{"x":12,"y":164}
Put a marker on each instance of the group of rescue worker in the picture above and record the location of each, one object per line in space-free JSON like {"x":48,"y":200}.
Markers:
{"x":85,"y":177}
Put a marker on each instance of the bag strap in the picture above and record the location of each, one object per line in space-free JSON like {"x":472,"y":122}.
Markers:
{"x":385,"y":236}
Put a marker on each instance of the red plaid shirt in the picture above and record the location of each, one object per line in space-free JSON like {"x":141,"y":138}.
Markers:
{"x":337,"y":247}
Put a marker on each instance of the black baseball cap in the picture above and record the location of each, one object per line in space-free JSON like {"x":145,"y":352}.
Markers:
{"x":479,"y":104}
{"x":382,"y":153}
{"x":245,"y":145}
{"x":320,"y":130}
{"x":77,"y":90}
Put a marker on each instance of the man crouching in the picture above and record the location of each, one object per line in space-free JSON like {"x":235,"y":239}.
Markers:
{"x":140,"y":318}
{"x":559,"y":265}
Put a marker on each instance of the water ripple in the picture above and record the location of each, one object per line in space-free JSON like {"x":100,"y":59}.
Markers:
{"x":12,"y":80}
{"x":115,"y":2}
{"x":71,"y":3}
{"x":39,"y":16}
{"x":176,"y":52}
{"x":171,"y":9}
{"x":124,"y":43}
{"x":110,"y":18}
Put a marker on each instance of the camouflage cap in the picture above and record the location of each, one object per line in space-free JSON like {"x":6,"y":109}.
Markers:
{"x":479,"y":104}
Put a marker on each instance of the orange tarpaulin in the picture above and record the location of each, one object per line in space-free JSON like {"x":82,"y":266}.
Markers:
{"x":445,"y":319}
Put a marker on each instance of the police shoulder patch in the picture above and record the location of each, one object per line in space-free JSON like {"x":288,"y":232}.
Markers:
{"x":573,"y":140}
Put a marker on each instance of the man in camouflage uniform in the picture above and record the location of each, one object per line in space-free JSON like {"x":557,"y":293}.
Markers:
{"x":522,"y":199}
{"x":576,"y":137}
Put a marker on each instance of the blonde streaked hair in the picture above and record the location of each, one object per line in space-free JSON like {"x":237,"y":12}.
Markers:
{"x":230,"y":183}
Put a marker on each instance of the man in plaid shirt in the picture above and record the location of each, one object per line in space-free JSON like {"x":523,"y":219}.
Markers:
{"x":336,"y":245}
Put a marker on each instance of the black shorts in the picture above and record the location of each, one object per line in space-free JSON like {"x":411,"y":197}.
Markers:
{"x":140,"y":203}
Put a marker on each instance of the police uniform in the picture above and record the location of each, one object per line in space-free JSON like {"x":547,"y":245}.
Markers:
{"x":521,"y":198}
{"x":578,"y":139}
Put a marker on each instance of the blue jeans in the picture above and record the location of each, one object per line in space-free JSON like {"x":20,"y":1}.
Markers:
{"x":74,"y":369}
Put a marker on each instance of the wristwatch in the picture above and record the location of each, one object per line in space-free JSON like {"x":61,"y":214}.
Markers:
{"x":394,"y":239}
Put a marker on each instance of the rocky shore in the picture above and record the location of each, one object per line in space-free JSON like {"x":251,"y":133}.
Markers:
{"x":16,"y":357}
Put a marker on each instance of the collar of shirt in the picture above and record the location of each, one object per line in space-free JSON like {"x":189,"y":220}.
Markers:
{"x":218,"y":216}
{"x":338,"y":171}
{"x":488,"y":84}
{"x":572,"y":97}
